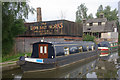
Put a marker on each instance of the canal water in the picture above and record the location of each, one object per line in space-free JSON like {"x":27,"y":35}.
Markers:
{"x":100,"y":67}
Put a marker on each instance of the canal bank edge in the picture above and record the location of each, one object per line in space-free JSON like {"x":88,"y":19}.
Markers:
{"x":12,"y":65}
{"x":9,"y":65}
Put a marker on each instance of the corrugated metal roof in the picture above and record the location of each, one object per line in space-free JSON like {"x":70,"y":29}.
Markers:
{"x":95,"y":20}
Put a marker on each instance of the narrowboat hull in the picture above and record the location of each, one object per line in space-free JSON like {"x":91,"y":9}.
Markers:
{"x":49,"y":64}
{"x":107,"y":47}
{"x":104,"y":54}
{"x":106,"y":51}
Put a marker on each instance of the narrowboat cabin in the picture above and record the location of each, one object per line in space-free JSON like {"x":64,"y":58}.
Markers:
{"x":51,"y":55}
{"x":106,"y":47}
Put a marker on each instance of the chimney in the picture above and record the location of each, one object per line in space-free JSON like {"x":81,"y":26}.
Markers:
{"x":101,"y":15}
{"x":39,"y":15}
{"x":84,"y":22}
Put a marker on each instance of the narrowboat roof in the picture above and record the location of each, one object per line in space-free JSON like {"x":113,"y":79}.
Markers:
{"x":66,"y":42}
{"x":113,"y":42}
{"x":104,"y":42}
{"x":107,"y":42}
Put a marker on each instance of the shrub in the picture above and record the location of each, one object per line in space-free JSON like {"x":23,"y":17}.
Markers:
{"x":88,"y":38}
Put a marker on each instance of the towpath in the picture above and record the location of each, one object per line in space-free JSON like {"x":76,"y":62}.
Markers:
{"x":8,"y":65}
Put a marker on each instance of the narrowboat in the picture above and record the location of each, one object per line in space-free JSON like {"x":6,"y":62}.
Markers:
{"x":52,"y":55}
{"x":104,"y":54}
{"x":106,"y":47}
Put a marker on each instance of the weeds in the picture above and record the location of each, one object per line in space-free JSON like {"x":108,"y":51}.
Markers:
{"x":13,"y":57}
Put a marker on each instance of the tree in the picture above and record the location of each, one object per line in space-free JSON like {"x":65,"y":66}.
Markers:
{"x":90,"y":16}
{"x":88,"y":38}
{"x":99,"y":10}
{"x":108,"y":13}
{"x":13,"y":17}
{"x":81,"y":13}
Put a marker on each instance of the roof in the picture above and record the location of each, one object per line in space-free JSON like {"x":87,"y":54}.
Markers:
{"x":67,"y":42}
{"x":93,"y":29}
{"x":47,"y":21}
{"x":95,"y":20}
{"x":108,"y":27}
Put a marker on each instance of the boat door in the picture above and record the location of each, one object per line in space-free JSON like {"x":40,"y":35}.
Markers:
{"x":43,"y":50}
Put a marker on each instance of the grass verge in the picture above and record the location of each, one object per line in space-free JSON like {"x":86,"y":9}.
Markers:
{"x":13,"y":57}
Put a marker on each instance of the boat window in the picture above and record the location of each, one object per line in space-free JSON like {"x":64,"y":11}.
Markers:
{"x":59,"y":50}
{"x":41,"y":49}
{"x":105,"y":45}
{"x":84,"y":48}
{"x":80,"y":49}
{"x":99,"y":45}
{"x":92,"y":48}
{"x":87,"y":48}
{"x":111,"y":44}
{"x":114,"y":44}
{"x":45,"y":49}
{"x":73,"y":50}
{"x":66,"y":50}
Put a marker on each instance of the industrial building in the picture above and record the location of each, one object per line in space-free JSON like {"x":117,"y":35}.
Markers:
{"x":57,"y":30}
{"x":53,"y":28}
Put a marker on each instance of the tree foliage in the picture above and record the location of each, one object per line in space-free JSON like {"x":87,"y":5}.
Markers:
{"x":13,"y":15}
{"x":99,"y":10}
{"x":90,"y":16}
{"x":108,"y":13}
{"x":88,"y":38}
{"x":81,"y":13}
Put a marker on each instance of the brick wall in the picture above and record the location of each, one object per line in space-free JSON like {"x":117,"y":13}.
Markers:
{"x":24,"y":44}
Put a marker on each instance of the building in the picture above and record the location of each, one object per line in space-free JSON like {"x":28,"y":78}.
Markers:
{"x":100,"y":27}
{"x":57,"y":30}
{"x":53,"y":28}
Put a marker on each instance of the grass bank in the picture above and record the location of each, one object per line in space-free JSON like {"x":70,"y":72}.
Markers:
{"x":14,"y":57}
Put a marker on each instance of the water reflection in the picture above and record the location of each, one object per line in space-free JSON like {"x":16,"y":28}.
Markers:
{"x":13,"y":74}
{"x":106,"y":66}
{"x":73,"y":71}
{"x":91,"y":75}
{"x":102,"y":67}
{"x":81,"y":70}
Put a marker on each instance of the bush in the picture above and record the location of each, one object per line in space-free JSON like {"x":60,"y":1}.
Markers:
{"x":88,"y":38}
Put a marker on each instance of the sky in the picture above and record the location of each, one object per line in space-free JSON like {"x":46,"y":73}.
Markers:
{"x":66,"y":9}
